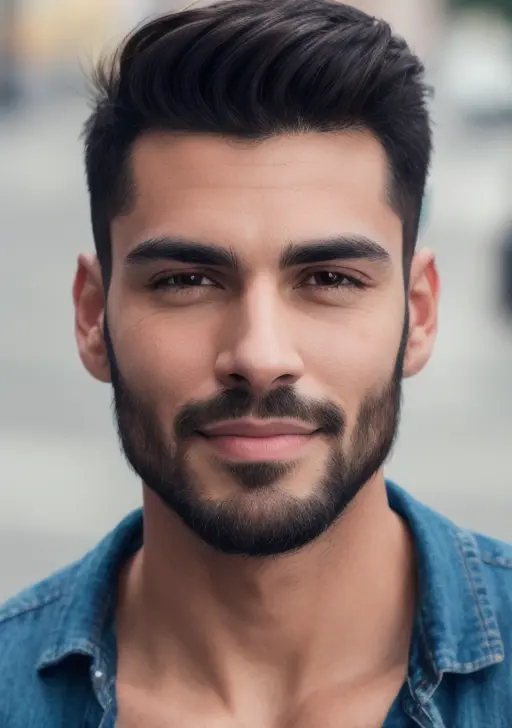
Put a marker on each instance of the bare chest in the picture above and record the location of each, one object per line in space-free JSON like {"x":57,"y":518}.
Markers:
{"x":340,"y":711}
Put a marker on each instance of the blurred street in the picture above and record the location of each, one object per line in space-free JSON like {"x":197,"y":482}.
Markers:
{"x":64,"y":481}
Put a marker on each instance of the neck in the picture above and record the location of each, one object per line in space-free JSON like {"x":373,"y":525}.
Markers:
{"x":340,"y":609}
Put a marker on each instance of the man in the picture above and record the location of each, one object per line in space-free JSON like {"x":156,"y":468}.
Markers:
{"x":256,"y":172}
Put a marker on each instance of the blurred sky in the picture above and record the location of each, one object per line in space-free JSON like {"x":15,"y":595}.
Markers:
{"x":64,"y":481}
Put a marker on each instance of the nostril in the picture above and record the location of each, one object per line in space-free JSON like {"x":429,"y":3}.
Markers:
{"x":239,"y":378}
{"x":286,"y":378}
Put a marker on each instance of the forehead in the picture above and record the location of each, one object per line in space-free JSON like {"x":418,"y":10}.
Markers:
{"x":232,"y":192}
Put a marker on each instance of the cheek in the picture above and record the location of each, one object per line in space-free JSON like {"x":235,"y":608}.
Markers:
{"x":354,"y":356}
{"x":165,"y":362}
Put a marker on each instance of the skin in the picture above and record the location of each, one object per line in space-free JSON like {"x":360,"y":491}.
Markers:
{"x":321,"y":633}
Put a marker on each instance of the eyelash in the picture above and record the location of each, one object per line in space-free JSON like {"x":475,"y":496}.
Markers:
{"x":345,"y":281}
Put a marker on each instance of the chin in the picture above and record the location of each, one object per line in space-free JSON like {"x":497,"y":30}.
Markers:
{"x":258,"y":524}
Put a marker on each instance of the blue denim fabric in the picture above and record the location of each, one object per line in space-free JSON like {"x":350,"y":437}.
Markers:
{"x":58,"y":648}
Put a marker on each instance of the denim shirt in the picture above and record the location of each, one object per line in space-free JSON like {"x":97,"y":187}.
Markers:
{"x":58,"y":646}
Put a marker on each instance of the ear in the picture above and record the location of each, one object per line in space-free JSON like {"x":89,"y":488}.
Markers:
{"x":423,"y":301}
{"x":89,"y":300}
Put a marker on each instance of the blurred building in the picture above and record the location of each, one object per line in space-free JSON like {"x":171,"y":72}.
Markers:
{"x":8,"y":53}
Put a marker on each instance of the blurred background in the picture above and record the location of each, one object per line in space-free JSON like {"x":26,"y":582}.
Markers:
{"x":64,"y":482}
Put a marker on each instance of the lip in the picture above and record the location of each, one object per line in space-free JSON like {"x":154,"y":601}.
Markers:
{"x":252,"y":428}
{"x":245,"y":449}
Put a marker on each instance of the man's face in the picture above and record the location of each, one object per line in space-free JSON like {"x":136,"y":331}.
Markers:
{"x":256,"y":327}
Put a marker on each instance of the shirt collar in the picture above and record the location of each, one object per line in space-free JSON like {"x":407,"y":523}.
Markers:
{"x":87,"y":608}
{"x":457,"y":623}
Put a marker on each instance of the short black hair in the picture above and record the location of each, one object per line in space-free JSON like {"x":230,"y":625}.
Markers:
{"x":252,"y":69}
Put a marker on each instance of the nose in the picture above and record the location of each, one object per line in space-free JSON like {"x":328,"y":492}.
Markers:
{"x":260,"y":350}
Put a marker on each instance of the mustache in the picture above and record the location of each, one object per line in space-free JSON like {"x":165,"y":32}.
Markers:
{"x":281,"y":402}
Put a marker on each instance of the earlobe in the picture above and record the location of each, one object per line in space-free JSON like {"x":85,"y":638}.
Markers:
{"x":423,"y":299}
{"x":89,"y":301}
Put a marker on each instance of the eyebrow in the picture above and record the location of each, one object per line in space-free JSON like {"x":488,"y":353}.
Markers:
{"x":182,"y":251}
{"x":343,"y":247}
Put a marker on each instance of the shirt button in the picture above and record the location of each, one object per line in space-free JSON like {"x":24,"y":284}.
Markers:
{"x":98,"y":675}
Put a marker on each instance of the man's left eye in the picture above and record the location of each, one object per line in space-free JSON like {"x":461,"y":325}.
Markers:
{"x":332,"y":279}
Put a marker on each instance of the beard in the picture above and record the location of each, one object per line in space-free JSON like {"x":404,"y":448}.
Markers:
{"x":260,"y":520}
